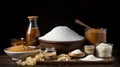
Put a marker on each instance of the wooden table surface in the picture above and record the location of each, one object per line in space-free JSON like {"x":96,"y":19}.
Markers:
{"x":8,"y":62}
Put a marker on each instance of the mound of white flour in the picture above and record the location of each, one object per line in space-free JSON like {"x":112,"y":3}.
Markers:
{"x":77,"y":51}
{"x":61,"y":33}
{"x":91,"y":58}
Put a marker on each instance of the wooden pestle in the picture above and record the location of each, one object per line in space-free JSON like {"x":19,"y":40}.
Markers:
{"x":82,"y":24}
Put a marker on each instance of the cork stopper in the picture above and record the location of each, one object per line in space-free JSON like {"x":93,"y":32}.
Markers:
{"x":32,"y":17}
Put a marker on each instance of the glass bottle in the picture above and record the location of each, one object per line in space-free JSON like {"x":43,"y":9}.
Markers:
{"x":33,"y":32}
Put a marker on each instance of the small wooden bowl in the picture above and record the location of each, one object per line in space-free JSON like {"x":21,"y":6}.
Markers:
{"x":63,"y":46}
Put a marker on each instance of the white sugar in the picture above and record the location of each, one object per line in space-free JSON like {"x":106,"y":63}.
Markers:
{"x":77,"y":51}
{"x":91,"y":58}
{"x":61,"y":33}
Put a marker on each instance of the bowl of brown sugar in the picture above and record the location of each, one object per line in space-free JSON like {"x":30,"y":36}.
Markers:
{"x":20,"y":52}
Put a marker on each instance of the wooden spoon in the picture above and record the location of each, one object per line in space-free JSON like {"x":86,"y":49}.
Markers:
{"x":82,"y":24}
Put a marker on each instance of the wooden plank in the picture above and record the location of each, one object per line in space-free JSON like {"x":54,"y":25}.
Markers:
{"x":7,"y":60}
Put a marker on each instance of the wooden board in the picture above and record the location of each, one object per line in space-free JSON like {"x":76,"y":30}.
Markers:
{"x":76,"y":61}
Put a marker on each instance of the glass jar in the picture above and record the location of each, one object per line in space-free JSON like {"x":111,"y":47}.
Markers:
{"x":89,"y":49}
{"x":104,"y":50}
{"x":33,"y":32}
{"x":95,"y":36}
{"x":50,"y":53}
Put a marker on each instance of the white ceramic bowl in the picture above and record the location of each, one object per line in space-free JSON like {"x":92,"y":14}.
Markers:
{"x":20,"y":55}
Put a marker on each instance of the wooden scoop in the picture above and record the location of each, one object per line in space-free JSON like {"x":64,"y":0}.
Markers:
{"x":82,"y":24}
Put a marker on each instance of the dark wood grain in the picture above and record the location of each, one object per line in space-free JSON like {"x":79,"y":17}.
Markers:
{"x":111,"y":62}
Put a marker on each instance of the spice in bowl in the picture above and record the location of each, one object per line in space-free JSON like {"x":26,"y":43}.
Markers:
{"x":20,"y":48}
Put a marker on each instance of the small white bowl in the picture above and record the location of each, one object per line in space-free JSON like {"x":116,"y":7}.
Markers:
{"x":21,"y":55}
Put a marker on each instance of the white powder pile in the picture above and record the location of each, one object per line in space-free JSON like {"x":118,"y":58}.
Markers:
{"x":61,"y":33}
{"x":91,"y":58}
{"x":77,"y":51}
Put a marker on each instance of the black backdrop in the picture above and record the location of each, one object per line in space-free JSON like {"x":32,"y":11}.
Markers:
{"x":95,"y":13}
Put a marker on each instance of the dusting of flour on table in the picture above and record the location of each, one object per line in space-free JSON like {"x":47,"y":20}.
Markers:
{"x":61,"y":33}
{"x":91,"y":58}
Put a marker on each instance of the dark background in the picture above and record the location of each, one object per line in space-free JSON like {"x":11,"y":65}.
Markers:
{"x":95,"y":13}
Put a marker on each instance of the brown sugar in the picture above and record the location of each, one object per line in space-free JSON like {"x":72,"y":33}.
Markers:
{"x":95,"y":36}
{"x":20,"y":48}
